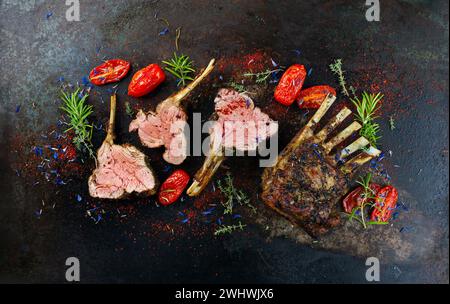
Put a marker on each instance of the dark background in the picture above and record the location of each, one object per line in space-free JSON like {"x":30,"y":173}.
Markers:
{"x":405,"y":55}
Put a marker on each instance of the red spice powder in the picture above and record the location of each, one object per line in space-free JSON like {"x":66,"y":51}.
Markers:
{"x":255,"y":62}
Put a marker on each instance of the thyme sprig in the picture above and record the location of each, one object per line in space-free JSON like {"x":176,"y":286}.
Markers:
{"x":228,"y":229}
{"x":240,"y":88}
{"x":366,"y":108}
{"x":177,"y":37}
{"x":78,"y":112}
{"x":336,"y":68}
{"x":237,"y":86}
{"x":233,"y":195}
{"x":368,"y":197}
{"x":129,"y":110}
{"x":391,"y":123}
{"x":262,"y":76}
{"x":181,"y":67}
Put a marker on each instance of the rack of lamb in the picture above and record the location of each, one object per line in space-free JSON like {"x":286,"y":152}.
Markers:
{"x":308,"y":181}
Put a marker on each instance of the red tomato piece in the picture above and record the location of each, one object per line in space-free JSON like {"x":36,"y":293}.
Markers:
{"x":290,"y":84}
{"x":173,"y":187}
{"x":311,"y":98}
{"x":110,"y":71}
{"x":385,"y":204}
{"x":146,"y":80}
{"x":355,"y":198}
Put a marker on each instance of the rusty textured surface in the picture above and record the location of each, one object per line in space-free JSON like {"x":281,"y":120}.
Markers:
{"x":405,"y":56}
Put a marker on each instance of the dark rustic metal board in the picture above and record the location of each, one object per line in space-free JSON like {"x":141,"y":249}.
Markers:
{"x":405,"y":56}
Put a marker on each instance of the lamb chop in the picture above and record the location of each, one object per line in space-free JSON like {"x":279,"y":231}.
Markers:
{"x":165,"y":127}
{"x":240,"y":126}
{"x":121,"y":170}
{"x":307,"y":183}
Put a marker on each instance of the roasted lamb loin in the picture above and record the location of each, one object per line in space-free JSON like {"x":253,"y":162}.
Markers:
{"x":165,"y":127}
{"x":121,"y":170}
{"x":239,"y":126}
{"x":307,"y":183}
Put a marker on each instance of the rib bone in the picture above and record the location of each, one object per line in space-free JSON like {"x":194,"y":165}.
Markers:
{"x":307,"y":131}
{"x":333,"y":123}
{"x":357,"y":145}
{"x":175,"y":99}
{"x":360,"y":159}
{"x":110,"y":136}
{"x":207,"y":171}
{"x":343,"y":135}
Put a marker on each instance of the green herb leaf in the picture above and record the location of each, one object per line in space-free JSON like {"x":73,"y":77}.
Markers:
{"x":227,"y":229}
{"x":263,"y":76}
{"x":233,"y":195}
{"x":366,"y":107}
{"x":181,"y":67}
{"x":78,"y":112}
{"x":336,"y":68}
{"x":391,"y":123}
{"x":367,"y":195}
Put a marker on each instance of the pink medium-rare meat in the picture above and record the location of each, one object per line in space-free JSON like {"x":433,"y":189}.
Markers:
{"x":164,"y":128}
{"x":240,"y":124}
{"x":121,"y":170}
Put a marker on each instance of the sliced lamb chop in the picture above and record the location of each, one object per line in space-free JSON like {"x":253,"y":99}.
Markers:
{"x":165,"y":127}
{"x":240,"y":126}
{"x":307,"y":183}
{"x":121,"y":170}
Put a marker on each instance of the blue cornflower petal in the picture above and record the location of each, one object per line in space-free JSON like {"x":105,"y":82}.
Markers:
{"x":297,"y":52}
{"x":164,"y":32}
{"x":85,"y":80}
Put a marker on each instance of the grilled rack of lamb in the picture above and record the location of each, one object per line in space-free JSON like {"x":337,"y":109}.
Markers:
{"x":240,"y":126}
{"x":307,"y":183}
{"x":165,"y":127}
{"x":121,"y":170}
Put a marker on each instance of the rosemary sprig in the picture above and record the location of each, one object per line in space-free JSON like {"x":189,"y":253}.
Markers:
{"x":366,"y":107}
{"x":336,"y":68}
{"x":181,"y":67}
{"x":233,"y":195}
{"x":262,"y":76}
{"x":227,"y":229}
{"x":368,"y":196}
{"x":78,"y":112}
